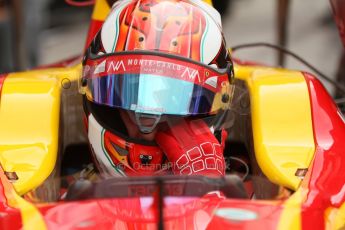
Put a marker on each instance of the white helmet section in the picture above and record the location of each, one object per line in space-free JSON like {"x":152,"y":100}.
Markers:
{"x":212,"y":39}
{"x":210,"y":10}
{"x":111,"y":27}
{"x":96,"y":138}
{"x":211,"y":42}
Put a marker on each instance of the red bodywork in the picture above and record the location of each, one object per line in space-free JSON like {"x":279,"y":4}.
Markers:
{"x":326,"y":177}
{"x":2,"y":79}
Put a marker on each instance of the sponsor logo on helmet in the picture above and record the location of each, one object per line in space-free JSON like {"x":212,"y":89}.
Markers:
{"x":116,"y":66}
{"x":100,"y":68}
{"x":212,"y":81}
{"x":191,"y":74}
{"x":149,"y":67}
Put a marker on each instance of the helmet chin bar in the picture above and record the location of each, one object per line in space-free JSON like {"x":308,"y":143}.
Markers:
{"x":146,"y":129}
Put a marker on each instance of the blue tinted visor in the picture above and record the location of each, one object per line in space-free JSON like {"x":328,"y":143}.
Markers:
{"x":156,"y":84}
{"x":152,"y":94}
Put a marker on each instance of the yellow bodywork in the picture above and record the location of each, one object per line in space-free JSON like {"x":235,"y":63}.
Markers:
{"x":335,"y":218}
{"x":281,"y":122}
{"x":291,"y":214}
{"x":101,"y":10}
{"x":29,"y":121}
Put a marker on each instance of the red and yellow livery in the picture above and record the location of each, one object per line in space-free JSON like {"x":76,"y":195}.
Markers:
{"x":296,"y":138}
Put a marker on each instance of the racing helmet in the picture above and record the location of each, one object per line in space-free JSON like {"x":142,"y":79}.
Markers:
{"x":157,"y":81}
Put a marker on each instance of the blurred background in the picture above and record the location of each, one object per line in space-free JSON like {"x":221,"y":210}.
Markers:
{"x":40,"y":32}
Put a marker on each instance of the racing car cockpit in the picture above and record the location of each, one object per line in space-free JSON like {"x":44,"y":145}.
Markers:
{"x":265,"y":138}
{"x":159,"y":125}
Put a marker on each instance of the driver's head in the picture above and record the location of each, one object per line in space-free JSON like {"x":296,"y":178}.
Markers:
{"x":158,"y":72}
